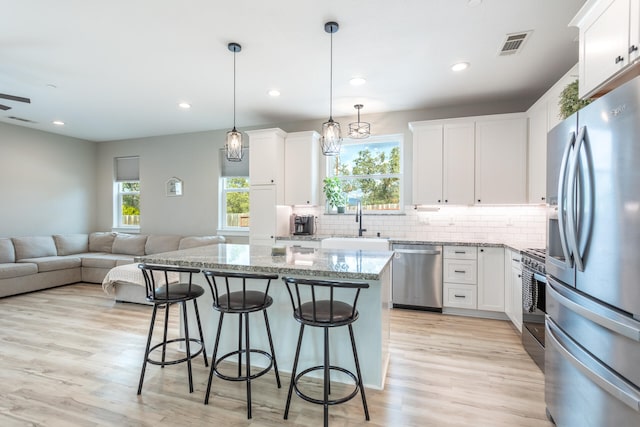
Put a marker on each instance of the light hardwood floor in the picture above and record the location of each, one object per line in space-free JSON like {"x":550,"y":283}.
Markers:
{"x":70,"y":356}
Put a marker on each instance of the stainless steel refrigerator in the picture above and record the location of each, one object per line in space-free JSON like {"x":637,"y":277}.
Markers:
{"x":592,"y":330}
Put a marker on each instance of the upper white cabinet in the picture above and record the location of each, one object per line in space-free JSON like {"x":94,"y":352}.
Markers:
{"x":301,"y":168}
{"x":443,"y":156}
{"x":609,"y":43}
{"x":543,"y":116}
{"x":470,"y":160}
{"x":501,"y":160}
{"x":459,"y":153}
{"x":267,"y":157}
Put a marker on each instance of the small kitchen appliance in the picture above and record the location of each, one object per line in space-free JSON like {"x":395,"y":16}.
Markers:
{"x":303,"y":225}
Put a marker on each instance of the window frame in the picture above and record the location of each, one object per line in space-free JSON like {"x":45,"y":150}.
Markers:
{"x":399,"y":138}
{"x":222,"y":226}
{"x":119,"y":194}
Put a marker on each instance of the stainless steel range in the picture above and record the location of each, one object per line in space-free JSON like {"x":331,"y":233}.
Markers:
{"x":533,"y":303}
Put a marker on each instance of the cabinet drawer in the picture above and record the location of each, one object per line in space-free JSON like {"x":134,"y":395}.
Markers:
{"x":461,"y":296}
{"x":460,"y":252}
{"x":460,"y":271}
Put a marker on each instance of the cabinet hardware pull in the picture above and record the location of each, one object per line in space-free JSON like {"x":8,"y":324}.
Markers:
{"x":619,"y":59}
{"x":459,"y":271}
{"x":459,"y":252}
{"x":515,"y":259}
{"x":446,"y":201}
{"x":478,"y":200}
{"x":459,"y":296}
{"x":542,"y":198}
{"x":519,"y":275}
{"x":633,"y":48}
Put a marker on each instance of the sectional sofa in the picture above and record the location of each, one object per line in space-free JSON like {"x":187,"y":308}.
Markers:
{"x":32,"y":263}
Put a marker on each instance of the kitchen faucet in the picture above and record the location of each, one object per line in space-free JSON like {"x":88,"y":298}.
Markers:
{"x":359,"y":218}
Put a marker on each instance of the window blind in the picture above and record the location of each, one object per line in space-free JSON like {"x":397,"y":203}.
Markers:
{"x":127,"y":169}
{"x":231,"y":169}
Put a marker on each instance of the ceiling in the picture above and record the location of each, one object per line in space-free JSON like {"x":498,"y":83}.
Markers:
{"x":118,"y":69}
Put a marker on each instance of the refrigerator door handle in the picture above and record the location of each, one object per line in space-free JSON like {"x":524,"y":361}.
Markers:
{"x":597,"y":313}
{"x":572,"y":208}
{"x":591,"y":367}
{"x":562,"y":182}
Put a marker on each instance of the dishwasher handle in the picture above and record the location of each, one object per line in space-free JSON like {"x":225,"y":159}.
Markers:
{"x":418,"y":251}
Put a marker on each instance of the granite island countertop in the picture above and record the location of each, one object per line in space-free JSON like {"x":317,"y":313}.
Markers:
{"x":328,"y":263}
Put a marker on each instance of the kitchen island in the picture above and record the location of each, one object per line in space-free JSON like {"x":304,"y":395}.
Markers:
{"x":371,"y":329}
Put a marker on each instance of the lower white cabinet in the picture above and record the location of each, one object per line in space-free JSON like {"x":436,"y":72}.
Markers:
{"x":459,"y":271}
{"x":491,"y":279}
{"x":460,"y":296}
{"x":513,"y":287}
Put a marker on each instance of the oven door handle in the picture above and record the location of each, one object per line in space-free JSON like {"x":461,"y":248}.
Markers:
{"x":595,"y":312}
{"x":539,"y":277}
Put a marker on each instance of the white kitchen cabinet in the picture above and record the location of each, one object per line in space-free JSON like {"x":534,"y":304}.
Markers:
{"x":427,"y":164}
{"x":609,"y":42}
{"x":443,"y":159}
{"x":459,"y":153}
{"x":262,"y":200}
{"x":267,"y":158}
{"x":491,"y":279}
{"x":459,"y":275}
{"x":543,"y":116}
{"x":301,"y":168}
{"x":501,"y":160}
{"x":513,"y":287}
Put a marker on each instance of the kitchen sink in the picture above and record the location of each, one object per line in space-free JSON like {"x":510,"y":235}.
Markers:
{"x":364,"y":243}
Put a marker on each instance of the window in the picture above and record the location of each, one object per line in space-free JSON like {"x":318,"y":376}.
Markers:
{"x":370,"y":172}
{"x":234,"y":193}
{"x":235,"y":203}
{"x":127,"y":193}
{"x":129,"y":204}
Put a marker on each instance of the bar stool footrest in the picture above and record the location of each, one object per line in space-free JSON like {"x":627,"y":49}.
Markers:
{"x":175,"y":362}
{"x":243,"y":377}
{"x":346,"y":398}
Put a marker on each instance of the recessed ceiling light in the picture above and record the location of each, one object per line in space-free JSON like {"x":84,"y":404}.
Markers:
{"x":274,"y":93}
{"x":58,"y":122}
{"x":184,"y":105}
{"x":460,"y":66}
{"x":357,"y":81}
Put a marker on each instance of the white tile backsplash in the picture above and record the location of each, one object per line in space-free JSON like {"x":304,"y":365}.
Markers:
{"x":518,"y":225}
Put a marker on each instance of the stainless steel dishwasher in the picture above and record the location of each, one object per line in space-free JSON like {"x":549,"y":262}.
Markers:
{"x":417,"y":276}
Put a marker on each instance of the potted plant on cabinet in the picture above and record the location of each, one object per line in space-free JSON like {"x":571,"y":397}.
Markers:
{"x":334,"y":194}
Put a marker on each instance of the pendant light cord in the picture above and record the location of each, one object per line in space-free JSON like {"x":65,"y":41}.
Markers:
{"x":331,"y":80}
{"x":234,"y":90}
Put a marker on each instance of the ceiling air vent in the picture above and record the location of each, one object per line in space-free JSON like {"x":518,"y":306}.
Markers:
{"x":20,"y":119}
{"x":513,"y":43}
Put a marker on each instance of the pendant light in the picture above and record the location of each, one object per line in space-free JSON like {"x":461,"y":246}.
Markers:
{"x":233,"y":146}
{"x":359,"y":130}
{"x":331,"y":136}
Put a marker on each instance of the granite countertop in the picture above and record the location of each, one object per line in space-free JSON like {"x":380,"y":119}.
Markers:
{"x":328,"y":263}
{"x":319,"y":237}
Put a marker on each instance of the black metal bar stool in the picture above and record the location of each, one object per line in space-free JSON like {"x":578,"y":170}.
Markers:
{"x":327,"y":312}
{"x":163,"y":293}
{"x":232,"y":295}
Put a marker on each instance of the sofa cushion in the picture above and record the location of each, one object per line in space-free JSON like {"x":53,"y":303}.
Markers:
{"x":7,"y":252}
{"x":101,"y":241}
{"x":69,"y":244}
{"x":11,"y":270}
{"x":104,"y":260}
{"x":195,"y":241}
{"x":161,"y":243}
{"x":129,"y":244}
{"x":34,"y":247}
{"x":52,"y":263}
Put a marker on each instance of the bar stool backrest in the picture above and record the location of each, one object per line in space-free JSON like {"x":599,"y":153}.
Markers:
{"x":314,"y":301}
{"x":224,"y":285}
{"x":157,"y":276}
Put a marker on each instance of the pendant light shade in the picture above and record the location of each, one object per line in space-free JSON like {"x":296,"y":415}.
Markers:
{"x":331,"y":139}
{"x":233,"y":145}
{"x":359,"y":130}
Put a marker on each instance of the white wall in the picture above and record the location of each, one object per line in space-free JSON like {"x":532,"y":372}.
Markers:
{"x":48,"y":183}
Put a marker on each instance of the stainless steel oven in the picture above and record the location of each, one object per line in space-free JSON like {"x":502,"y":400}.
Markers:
{"x":534,"y":303}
